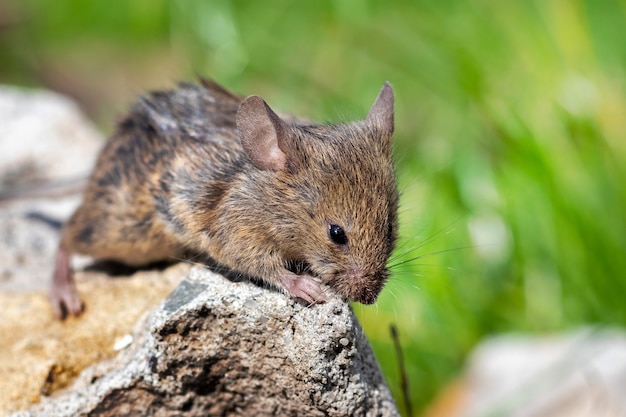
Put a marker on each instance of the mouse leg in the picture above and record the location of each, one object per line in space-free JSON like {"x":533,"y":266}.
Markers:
{"x":302,"y":286}
{"x":63,"y":294}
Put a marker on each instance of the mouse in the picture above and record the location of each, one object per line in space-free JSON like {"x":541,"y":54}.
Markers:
{"x":308,"y":208}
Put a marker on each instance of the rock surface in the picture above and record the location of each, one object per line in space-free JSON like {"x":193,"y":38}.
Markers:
{"x":578,"y":374}
{"x":220,"y":348}
{"x":43,"y":136}
{"x":41,"y":355}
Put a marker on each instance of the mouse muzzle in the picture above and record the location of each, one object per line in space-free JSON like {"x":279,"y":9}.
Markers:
{"x":358,"y":285}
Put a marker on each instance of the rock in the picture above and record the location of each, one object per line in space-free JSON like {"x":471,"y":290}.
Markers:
{"x":215,"y":347}
{"x":41,"y":355}
{"x":43,"y":137}
{"x":576,"y":374}
{"x":28,"y":245}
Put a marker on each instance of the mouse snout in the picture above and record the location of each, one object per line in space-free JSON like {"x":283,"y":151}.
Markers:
{"x":359,"y":285}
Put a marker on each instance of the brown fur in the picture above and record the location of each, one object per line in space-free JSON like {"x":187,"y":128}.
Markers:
{"x":200,"y":170}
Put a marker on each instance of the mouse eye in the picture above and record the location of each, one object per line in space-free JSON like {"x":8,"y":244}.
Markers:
{"x":337,"y":234}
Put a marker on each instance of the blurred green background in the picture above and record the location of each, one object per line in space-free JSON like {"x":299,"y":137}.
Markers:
{"x":510,"y":137}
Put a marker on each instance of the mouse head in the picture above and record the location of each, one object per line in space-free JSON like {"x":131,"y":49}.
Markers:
{"x":337,"y":188}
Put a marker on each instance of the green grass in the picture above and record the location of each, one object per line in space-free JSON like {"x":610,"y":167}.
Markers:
{"x":510,"y":137}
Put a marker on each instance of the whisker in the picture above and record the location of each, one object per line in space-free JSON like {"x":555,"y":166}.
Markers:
{"x":403,"y":254}
{"x":185,"y":260}
{"x":407,"y":274}
{"x":429,"y":254}
{"x":449,"y":228}
{"x":444,"y":230}
{"x":393,"y":294}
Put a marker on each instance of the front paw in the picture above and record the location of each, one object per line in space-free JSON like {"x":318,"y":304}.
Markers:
{"x":304,"y":287}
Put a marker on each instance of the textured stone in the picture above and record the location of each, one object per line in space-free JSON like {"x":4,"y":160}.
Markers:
{"x":215,"y":347}
{"x":43,"y":136}
{"x":41,"y":355}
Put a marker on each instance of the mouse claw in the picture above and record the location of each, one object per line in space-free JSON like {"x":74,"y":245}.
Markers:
{"x":65,"y":301}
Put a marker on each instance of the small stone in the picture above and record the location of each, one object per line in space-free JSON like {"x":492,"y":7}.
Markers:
{"x":123,"y":342}
{"x":184,"y":293}
{"x":250,"y":304}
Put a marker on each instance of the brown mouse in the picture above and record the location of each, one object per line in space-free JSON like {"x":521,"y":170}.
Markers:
{"x":202,"y":170}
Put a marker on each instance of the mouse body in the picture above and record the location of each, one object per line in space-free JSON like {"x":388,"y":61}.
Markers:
{"x":304,"y":207}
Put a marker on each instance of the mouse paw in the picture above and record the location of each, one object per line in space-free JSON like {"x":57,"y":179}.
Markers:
{"x":65,"y":301}
{"x":304,"y":287}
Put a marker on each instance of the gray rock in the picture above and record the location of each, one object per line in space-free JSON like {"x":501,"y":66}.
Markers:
{"x":215,"y":347}
{"x":43,"y":137}
{"x":28,"y":244}
{"x":576,"y":374}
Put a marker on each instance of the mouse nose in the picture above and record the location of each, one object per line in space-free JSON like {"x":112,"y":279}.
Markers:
{"x":361,"y":286}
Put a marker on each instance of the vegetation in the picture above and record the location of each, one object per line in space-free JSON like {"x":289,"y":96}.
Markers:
{"x":510,"y":141}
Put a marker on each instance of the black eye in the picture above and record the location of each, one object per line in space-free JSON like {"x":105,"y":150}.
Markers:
{"x":337,"y":234}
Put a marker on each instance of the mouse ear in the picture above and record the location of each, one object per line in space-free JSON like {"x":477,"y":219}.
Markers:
{"x":381,"y":114}
{"x":262,"y":133}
